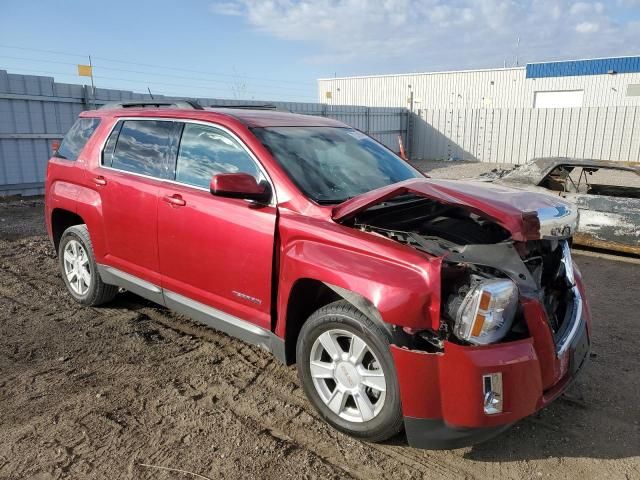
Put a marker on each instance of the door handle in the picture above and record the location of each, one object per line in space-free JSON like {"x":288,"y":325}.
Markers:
{"x":100,"y":180}
{"x":175,"y":200}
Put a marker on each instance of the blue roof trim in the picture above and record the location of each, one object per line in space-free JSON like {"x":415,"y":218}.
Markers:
{"x":600,"y":66}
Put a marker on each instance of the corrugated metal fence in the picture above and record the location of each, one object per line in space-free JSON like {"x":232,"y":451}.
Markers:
{"x":516,"y":135}
{"x":35,"y":110}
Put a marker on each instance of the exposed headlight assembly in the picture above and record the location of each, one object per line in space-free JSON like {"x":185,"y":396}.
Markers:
{"x":484,"y":313}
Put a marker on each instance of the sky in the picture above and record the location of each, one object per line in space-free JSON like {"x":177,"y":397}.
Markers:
{"x":277,"y":49}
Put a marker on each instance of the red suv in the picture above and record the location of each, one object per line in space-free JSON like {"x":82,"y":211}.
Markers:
{"x":452,"y":309}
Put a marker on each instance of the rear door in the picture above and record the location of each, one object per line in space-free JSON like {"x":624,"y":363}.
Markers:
{"x":216,"y":251}
{"x":134,"y":161}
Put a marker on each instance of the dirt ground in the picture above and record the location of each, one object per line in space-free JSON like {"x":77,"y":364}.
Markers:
{"x":99,"y":392}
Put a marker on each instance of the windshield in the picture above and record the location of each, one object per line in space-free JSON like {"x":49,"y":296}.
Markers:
{"x":332,"y":164}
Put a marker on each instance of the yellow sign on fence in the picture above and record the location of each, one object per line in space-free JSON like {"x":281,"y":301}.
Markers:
{"x":84,"y":70}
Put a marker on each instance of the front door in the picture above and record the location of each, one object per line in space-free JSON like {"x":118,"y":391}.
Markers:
{"x":216,"y":251}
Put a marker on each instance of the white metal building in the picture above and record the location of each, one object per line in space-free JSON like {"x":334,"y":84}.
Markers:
{"x":581,"y":108}
{"x":583,"y":83}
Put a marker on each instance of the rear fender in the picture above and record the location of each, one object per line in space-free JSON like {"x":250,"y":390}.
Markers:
{"x":60,"y":195}
{"x":89,"y":207}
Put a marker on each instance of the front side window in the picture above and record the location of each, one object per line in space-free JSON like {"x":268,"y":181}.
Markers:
{"x":142,"y":146}
{"x":207,"y":151}
{"x":333,"y":164}
{"x":76,"y":138}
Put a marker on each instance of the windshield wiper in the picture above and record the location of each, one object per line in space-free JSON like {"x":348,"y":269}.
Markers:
{"x":332,"y":201}
{"x":407,"y":197}
{"x":403,"y":198}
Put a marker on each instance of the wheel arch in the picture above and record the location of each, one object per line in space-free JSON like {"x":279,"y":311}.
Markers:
{"x":308,"y":295}
{"x":61,"y":219}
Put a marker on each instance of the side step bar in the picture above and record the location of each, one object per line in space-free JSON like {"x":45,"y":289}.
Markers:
{"x":136,"y":285}
{"x":211,"y":317}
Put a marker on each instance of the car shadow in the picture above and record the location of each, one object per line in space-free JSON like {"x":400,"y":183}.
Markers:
{"x":569,"y":427}
{"x":564,"y":429}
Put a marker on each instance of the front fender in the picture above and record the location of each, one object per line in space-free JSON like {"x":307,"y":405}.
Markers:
{"x":401,"y":283}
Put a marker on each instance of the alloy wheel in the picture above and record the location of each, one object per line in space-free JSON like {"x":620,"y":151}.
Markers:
{"x":77,"y":267}
{"x":347,"y":375}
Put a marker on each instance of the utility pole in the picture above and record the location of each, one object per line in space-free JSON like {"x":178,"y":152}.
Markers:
{"x":93,"y":87}
{"x":87,"y":71}
{"x":409,"y":147}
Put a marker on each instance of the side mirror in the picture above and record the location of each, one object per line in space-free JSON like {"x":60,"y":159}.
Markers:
{"x":240,"y":185}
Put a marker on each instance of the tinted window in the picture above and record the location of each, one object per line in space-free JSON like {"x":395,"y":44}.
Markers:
{"x":206,"y":151}
{"x":142,"y":146}
{"x":107,"y":153}
{"x":75,"y":140}
{"x":331,"y":164}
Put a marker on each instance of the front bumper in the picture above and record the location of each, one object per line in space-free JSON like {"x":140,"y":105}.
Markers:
{"x":443,"y":393}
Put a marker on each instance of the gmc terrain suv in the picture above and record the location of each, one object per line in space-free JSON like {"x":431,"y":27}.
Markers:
{"x":452,"y":309}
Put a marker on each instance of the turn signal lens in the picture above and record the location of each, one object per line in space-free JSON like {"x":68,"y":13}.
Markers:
{"x":477,"y":325}
{"x":485,"y":300}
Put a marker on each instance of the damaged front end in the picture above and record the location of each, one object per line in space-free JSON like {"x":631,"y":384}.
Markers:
{"x":484,"y":271}
{"x":511,"y":324}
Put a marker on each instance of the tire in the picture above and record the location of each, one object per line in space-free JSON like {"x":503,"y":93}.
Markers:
{"x":333,"y":325}
{"x":91,"y":290}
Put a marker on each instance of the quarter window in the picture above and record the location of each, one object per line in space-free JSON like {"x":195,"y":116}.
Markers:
{"x":142,"y":146}
{"x":206,"y":151}
{"x":107,"y":153}
{"x":76,"y":138}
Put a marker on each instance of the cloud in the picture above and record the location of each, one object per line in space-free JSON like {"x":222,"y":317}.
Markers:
{"x":582,"y":8}
{"x":227,"y":8}
{"x":430,"y":34}
{"x":587,"y":27}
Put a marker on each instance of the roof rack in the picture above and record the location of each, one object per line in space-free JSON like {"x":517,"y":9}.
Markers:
{"x":189,"y":104}
{"x":265,"y":106}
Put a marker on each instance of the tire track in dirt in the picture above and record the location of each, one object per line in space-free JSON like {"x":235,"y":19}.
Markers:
{"x":256,"y":388}
{"x":40,"y":303}
{"x":137,"y":383}
{"x":281,"y":384}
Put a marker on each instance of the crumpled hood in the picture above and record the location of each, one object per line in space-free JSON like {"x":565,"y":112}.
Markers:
{"x":526,"y":215}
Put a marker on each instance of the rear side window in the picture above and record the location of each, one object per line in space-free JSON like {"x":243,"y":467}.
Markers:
{"x":143,"y":146}
{"x":206,"y":151}
{"x":77,"y":137}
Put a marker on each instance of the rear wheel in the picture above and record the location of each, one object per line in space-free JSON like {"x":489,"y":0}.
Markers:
{"x":347,"y":372}
{"x":79,"y":269}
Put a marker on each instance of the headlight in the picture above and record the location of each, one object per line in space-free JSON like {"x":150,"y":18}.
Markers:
{"x":485,"y":314}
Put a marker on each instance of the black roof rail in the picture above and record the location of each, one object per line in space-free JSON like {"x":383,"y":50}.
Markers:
{"x":247,"y":106}
{"x":189,"y":104}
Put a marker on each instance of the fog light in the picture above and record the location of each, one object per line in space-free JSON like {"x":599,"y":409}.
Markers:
{"x":492,"y":393}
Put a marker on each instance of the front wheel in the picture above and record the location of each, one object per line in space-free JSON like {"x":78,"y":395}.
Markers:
{"x":347,"y":372}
